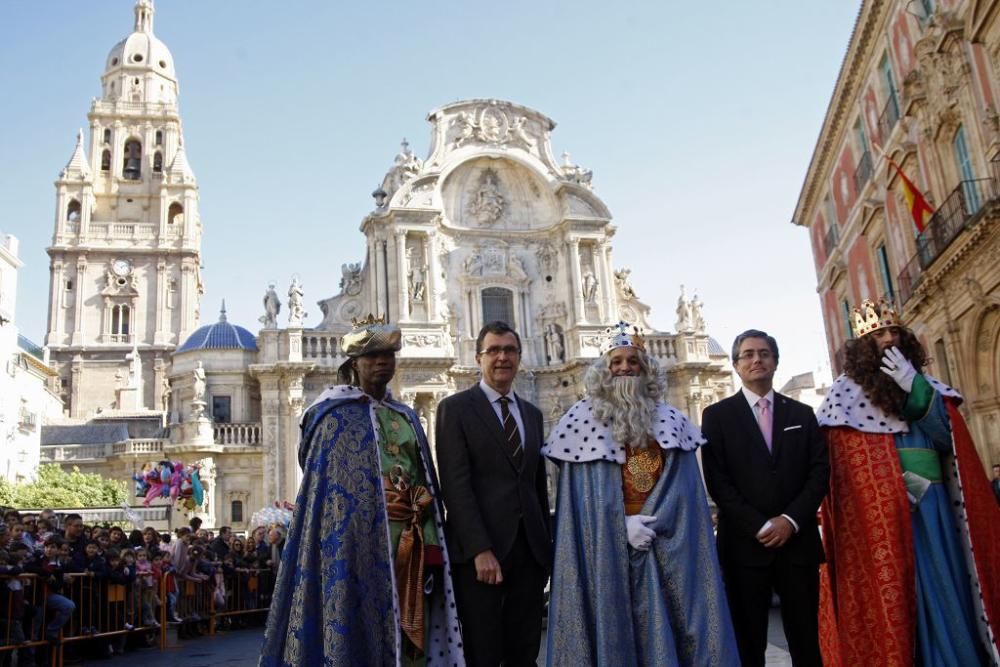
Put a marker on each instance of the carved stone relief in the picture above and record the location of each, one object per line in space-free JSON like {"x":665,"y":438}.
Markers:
{"x":490,"y":125}
{"x":487,"y":205}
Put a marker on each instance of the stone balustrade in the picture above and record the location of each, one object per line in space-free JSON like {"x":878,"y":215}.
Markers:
{"x":320,"y":347}
{"x":75,"y":453}
{"x":661,"y":346}
{"x":144,"y":446}
{"x":248,"y":433}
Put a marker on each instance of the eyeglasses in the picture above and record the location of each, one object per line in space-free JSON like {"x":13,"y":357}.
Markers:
{"x":763,"y":355}
{"x":495,"y":350}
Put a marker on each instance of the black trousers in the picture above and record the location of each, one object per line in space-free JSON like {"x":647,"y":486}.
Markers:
{"x":502,"y":624}
{"x":749,"y":592}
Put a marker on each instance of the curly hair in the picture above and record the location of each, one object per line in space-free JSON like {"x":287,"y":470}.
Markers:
{"x":863,"y":363}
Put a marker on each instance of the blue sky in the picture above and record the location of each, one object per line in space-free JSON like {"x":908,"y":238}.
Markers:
{"x":698,"y":120}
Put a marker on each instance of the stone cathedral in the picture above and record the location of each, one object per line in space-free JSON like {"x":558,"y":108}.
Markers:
{"x":489,"y":226}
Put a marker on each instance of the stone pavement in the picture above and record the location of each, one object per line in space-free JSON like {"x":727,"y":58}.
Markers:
{"x":239,"y":648}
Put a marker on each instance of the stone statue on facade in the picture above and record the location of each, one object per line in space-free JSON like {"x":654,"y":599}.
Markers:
{"x":296,"y":305}
{"x":515,"y":268}
{"x":575,"y":173}
{"x":554,"y":343}
{"x":624,"y":284}
{"x":272,"y":306}
{"x":697,"y":320}
{"x":135,"y":367}
{"x":487,"y":204}
{"x":350,"y":279}
{"x":473,"y":265}
{"x":198,"y":400}
{"x":684,"y":320}
{"x":589,"y":287}
{"x":165,"y":392}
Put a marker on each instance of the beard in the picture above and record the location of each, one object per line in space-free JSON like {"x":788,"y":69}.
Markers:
{"x":625,"y":403}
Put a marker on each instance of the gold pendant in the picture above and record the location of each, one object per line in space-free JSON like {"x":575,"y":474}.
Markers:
{"x":642,"y":482}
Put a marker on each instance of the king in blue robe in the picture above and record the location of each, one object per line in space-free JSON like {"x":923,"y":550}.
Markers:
{"x":612,"y":603}
{"x":342,"y":596}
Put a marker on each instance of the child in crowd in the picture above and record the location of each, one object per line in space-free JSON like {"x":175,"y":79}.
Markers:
{"x":92,"y":596}
{"x":166,"y":567}
{"x":55,"y":579}
{"x":12,"y":594}
{"x":147,"y":584}
{"x":120,"y":579}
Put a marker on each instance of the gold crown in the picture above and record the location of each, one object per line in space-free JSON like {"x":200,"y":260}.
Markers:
{"x":871,"y":316}
{"x":365,"y":321}
{"x":622,"y":334}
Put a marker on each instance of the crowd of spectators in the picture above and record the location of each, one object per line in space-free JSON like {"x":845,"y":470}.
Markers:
{"x":61,"y":549}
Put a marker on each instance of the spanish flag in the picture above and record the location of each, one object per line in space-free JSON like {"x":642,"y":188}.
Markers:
{"x":919,"y":208}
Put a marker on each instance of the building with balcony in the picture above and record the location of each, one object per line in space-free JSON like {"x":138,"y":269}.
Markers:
{"x":919,"y":85}
{"x":28,"y":385}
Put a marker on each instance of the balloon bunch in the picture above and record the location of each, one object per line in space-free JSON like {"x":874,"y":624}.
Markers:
{"x":170,"y":479}
{"x":270,"y":517}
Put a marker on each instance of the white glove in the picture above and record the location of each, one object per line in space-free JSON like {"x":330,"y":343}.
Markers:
{"x":639,"y":536}
{"x":899,"y":368}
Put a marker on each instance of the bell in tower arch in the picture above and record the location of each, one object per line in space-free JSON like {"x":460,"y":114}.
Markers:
{"x":132,"y":169}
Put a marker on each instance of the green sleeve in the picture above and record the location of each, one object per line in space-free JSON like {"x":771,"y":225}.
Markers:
{"x":919,"y":400}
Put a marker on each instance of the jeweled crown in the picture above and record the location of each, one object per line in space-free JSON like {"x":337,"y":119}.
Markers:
{"x":871,"y":316}
{"x":622,"y":334}
{"x":369,"y":319}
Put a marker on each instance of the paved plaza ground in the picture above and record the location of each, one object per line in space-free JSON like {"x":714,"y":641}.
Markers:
{"x":242,"y":647}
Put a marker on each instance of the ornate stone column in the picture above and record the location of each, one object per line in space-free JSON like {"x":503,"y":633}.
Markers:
{"x":160,"y":336}
{"x":291,"y":411}
{"x":373,"y":275}
{"x":270,"y":434}
{"x":577,"y":282}
{"x":81,"y":280}
{"x":76,"y":380}
{"x":603,"y":255}
{"x":430,"y":289}
{"x":57,"y":323}
{"x":187,"y":278}
{"x":402,"y":287}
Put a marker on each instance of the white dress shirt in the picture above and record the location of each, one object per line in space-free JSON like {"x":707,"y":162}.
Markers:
{"x":493,"y":396}
{"x":752,"y":399}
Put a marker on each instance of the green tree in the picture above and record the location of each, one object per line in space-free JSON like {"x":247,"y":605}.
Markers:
{"x":55,"y":488}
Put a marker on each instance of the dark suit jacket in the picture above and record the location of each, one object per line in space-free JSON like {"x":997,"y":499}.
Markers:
{"x":485,"y":496}
{"x":750,"y":485}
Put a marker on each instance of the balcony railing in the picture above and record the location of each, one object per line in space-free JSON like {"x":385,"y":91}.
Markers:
{"x":146,"y":446}
{"x":74,"y":453}
{"x":227,"y":433}
{"x":863,"y":172}
{"x":831,"y":239}
{"x":960,"y":210}
{"x":889,"y":117}
{"x":319,"y":346}
{"x":123,"y":230}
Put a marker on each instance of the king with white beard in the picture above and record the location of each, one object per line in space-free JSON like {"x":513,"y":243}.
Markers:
{"x":636,"y":579}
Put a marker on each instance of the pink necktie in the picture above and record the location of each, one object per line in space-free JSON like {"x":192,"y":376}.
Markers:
{"x":764,"y":420}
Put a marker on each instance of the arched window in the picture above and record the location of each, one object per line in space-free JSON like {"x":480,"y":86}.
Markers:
{"x":174,"y":211}
{"x":105,"y":160}
{"x":132,"y":160}
{"x":157,"y":161}
{"x":236,"y":511}
{"x":73,"y":211}
{"x":120,"y":316}
{"x":498,"y":304}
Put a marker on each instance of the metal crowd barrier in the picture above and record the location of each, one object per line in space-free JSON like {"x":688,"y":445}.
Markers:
{"x":105,"y":609}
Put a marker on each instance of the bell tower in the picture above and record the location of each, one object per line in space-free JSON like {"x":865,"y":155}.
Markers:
{"x":126,"y":251}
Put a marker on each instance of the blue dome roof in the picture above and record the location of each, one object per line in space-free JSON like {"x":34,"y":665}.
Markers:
{"x":219,"y":336}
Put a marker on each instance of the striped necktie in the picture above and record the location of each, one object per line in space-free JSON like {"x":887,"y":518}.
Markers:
{"x":512,"y":436}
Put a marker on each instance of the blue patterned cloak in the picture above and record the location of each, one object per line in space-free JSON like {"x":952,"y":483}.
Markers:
{"x":612,"y":605}
{"x":335,"y":601}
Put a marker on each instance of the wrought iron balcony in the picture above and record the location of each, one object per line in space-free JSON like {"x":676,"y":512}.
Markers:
{"x":960,"y":210}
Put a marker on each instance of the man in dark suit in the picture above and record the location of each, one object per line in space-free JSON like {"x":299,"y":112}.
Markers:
{"x":767,"y":469}
{"x":494,"y":488}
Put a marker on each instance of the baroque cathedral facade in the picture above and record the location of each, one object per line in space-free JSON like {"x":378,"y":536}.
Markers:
{"x":489,"y":226}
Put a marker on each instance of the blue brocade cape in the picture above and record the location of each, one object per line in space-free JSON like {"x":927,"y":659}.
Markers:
{"x":613,"y":605}
{"x":335,"y":601}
